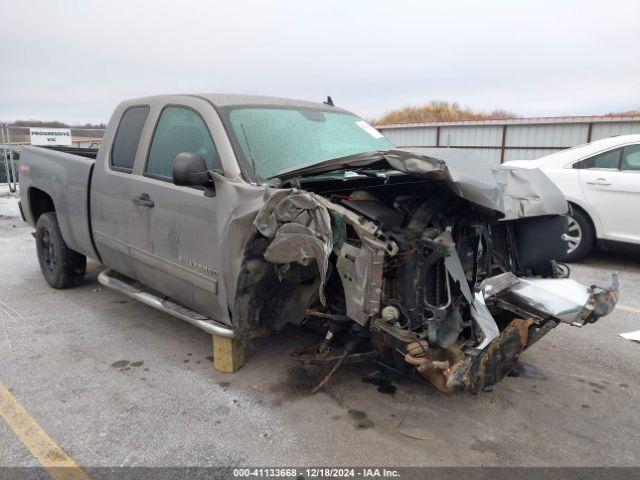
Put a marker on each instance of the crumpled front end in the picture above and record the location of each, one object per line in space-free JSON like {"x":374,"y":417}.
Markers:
{"x":542,"y":303}
{"x":416,"y":268}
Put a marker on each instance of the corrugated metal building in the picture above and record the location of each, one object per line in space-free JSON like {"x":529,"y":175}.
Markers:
{"x":498,"y":141}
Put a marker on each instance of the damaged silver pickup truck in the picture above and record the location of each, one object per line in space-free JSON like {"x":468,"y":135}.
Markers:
{"x":235,"y":213}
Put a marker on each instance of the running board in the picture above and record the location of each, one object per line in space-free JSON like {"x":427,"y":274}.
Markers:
{"x":133,"y":290}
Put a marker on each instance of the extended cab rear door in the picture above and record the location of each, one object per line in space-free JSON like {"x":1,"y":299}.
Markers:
{"x":114,"y":217}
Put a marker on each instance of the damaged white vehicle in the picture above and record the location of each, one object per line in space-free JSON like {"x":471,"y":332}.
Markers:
{"x":236,"y":213}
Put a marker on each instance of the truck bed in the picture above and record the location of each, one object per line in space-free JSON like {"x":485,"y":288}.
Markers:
{"x":81,"y":151}
{"x":64,"y":175}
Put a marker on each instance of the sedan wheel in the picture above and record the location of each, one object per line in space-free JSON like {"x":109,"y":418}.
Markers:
{"x":573,"y":235}
{"x":579,"y":236}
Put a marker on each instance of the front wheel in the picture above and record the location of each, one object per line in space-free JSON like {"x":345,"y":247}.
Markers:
{"x":580,"y":237}
{"x":60,"y":266}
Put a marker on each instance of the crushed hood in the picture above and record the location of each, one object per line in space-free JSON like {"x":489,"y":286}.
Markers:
{"x":514,"y":192}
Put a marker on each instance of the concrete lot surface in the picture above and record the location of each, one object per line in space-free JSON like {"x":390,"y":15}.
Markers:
{"x":114,"y":383}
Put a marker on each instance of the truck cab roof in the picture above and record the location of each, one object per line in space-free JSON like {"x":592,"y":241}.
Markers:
{"x":223,"y":100}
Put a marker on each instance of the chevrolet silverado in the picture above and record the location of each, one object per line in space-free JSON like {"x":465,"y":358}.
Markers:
{"x":238,"y":212}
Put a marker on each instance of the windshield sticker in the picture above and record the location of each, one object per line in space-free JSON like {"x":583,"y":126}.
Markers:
{"x":369,"y":129}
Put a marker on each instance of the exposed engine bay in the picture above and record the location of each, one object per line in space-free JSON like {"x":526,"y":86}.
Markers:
{"x":423,"y":261}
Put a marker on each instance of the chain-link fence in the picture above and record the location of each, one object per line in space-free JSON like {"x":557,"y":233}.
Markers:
{"x":9,"y":167}
{"x":8,"y":159}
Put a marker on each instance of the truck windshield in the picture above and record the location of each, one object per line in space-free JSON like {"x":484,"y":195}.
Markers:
{"x":275,"y":140}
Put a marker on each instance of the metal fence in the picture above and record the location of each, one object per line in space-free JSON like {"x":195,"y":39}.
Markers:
{"x":495,"y":141}
{"x":498,"y":141}
{"x":8,"y":159}
{"x":14,"y":137}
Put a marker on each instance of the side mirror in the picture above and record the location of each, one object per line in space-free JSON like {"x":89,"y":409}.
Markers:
{"x":190,"y":170}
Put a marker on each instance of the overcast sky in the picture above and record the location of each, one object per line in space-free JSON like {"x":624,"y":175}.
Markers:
{"x":74,"y":61}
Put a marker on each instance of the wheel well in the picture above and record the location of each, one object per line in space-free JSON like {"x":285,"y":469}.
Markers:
{"x":40,"y":202}
{"x":586,"y":215}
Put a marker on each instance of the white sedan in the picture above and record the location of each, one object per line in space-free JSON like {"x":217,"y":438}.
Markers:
{"x":601,"y":181}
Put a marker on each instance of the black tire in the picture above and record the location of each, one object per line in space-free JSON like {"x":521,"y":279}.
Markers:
{"x":60,"y":266}
{"x":587,"y":237}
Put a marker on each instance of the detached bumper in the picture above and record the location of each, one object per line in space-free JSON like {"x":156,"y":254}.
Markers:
{"x":543,"y":304}
{"x":560,"y":298}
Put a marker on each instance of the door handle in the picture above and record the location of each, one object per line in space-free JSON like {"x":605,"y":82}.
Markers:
{"x":599,"y":181}
{"x":143,"y":200}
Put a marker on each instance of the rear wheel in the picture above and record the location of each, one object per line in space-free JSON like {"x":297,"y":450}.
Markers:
{"x":579,"y":236}
{"x":60,"y":266}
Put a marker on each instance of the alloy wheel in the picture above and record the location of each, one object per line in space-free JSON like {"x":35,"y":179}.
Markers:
{"x":573,"y":235}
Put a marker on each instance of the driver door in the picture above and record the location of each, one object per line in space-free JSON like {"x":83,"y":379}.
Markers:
{"x":177,"y":244}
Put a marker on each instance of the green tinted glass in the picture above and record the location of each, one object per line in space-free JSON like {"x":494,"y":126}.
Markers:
{"x":609,"y":159}
{"x":179,"y":130}
{"x":275,"y":140}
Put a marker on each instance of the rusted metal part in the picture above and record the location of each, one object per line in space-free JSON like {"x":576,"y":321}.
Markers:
{"x":322,"y":353}
{"x":480,"y":372}
{"x":434,"y":370}
{"x":602,"y":300}
{"x":523,"y":330}
{"x":503,"y":143}
{"x":502,"y":303}
{"x":537,"y":332}
{"x":451,"y":370}
{"x":401,"y":334}
{"x":327,"y":378}
{"x":439,"y":365}
{"x":329,"y":316}
{"x":330,"y":358}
